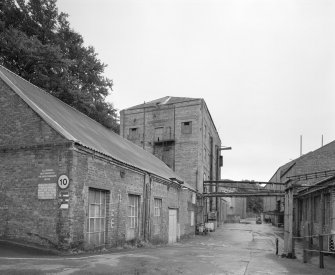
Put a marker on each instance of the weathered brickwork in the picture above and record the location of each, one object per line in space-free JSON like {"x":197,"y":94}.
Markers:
{"x":307,"y":217}
{"x":94,"y":172}
{"x":191,"y":151}
{"x":186,"y":211}
{"x":28,"y":146}
{"x":23,"y":215}
{"x":193,"y":154}
{"x":20,"y":125}
{"x":34,"y":209}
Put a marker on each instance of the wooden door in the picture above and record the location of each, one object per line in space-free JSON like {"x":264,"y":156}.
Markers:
{"x":172,"y":225}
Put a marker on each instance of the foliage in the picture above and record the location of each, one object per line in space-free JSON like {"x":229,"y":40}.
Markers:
{"x":37,"y":43}
{"x":255,"y":205}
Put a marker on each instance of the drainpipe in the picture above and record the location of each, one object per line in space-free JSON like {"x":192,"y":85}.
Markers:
{"x":144,"y":127}
{"x":146,"y":207}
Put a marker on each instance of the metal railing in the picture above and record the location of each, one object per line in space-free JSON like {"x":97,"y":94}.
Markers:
{"x":307,"y":247}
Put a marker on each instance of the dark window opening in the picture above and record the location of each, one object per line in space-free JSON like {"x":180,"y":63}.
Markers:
{"x":186,"y":127}
{"x":133,"y":133}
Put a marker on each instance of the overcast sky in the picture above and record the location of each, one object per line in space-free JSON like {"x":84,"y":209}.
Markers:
{"x":266,"y":68}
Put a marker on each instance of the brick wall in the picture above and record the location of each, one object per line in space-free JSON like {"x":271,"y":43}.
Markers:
{"x":23,"y":215}
{"x":93,"y":172}
{"x":187,"y":206}
{"x":188,"y":149}
{"x":187,"y":145}
{"x":321,"y":159}
{"x":190,"y":154}
{"x":19,"y":124}
{"x":32,"y":156}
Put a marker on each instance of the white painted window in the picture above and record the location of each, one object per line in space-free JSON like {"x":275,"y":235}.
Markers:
{"x":96,"y":223}
{"x":157,"y":207}
{"x":133,"y":211}
{"x":157,"y":215}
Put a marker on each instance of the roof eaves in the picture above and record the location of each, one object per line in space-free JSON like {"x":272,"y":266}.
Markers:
{"x":286,"y":170}
{"x":315,"y":187}
{"x":56,"y":126}
{"x":37,"y":109}
{"x":325,"y":180}
{"x":132,"y":166}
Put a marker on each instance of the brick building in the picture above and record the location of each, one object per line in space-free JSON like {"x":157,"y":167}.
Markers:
{"x":68,"y":182}
{"x":314,"y":200}
{"x":180,"y":131}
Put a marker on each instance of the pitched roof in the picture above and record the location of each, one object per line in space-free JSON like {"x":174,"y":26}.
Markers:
{"x":77,"y":127}
{"x":163,"y":101}
{"x":301,"y":163}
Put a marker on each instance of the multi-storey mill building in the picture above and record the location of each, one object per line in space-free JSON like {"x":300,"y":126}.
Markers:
{"x":181,"y":132}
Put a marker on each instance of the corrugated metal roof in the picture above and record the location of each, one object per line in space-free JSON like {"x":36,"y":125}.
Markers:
{"x":77,"y":127}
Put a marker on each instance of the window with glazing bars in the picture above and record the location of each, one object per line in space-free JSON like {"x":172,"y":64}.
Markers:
{"x":157,"y":215}
{"x":96,"y":229}
{"x":157,"y":207}
{"x":133,"y":212}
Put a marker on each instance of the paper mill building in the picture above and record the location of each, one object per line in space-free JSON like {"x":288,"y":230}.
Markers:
{"x":181,"y":132}
{"x":68,"y":182}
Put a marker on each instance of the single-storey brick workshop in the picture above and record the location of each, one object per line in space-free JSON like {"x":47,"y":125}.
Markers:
{"x":68,"y":182}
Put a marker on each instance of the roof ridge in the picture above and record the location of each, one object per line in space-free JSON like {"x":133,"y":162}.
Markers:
{"x":85,"y":132}
{"x":57,"y":127}
{"x":49,"y":94}
{"x":294,"y":161}
{"x":165,"y":100}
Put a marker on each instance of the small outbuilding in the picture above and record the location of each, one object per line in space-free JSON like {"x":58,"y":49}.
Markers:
{"x":68,"y":182}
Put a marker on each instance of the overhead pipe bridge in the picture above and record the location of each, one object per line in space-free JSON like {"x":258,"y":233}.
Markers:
{"x":241,"y":188}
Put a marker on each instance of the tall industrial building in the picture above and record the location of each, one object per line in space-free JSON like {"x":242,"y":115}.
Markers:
{"x":181,"y":132}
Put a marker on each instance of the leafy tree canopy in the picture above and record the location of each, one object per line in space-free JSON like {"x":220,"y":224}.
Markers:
{"x":254,"y":205}
{"x":37,"y":43}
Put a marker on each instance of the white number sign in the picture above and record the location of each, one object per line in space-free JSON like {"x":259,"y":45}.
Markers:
{"x":63,"y":182}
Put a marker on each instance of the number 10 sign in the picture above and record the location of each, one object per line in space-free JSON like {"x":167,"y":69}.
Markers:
{"x":63,"y":182}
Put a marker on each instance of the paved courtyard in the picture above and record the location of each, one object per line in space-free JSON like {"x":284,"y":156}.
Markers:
{"x":233,"y":249}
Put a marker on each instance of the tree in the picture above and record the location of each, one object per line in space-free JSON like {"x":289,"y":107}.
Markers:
{"x":37,"y":43}
{"x":255,"y":205}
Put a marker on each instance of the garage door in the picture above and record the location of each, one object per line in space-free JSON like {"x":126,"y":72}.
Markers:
{"x":172,"y":225}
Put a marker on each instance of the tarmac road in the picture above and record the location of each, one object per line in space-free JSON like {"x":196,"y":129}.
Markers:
{"x":232,"y":249}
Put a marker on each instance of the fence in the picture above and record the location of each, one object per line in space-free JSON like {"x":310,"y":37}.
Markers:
{"x":308,"y":246}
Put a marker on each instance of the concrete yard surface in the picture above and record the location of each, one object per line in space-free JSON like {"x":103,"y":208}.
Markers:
{"x":246,"y":248}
